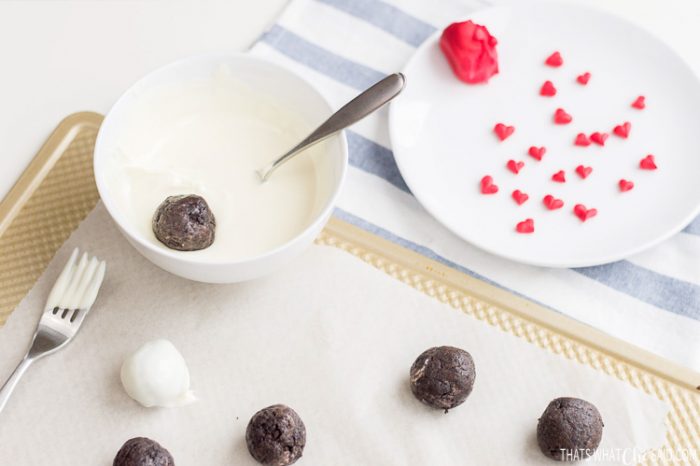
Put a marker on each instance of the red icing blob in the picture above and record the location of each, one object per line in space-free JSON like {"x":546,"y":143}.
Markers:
{"x":583,"y":213}
{"x":526,"y":226}
{"x":548,"y":89}
{"x":583,"y":172}
{"x":582,"y":140}
{"x":519,"y":197}
{"x":537,"y":152}
{"x":625,"y":185}
{"x":514,"y":166}
{"x":503,"y":131}
{"x":471,"y":51}
{"x":639,"y":103}
{"x":561,"y":117}
{"x":552,"y":203}
{"x":559,"y":177}
{"x":599,"y":138}
{"x":487,"y":186}
{"x":583,"y":78}
{"x":648,"y":163}
{"x":554,"y":60}
{"x":623,"y":130}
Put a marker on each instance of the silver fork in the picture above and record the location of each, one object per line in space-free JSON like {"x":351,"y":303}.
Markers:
{"x":68,"y":303}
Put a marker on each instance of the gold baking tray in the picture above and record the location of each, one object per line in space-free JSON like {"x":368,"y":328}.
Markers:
{"x":57,"y":191}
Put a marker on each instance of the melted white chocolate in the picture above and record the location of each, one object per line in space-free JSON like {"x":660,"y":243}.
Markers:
{"x":208,"y":137}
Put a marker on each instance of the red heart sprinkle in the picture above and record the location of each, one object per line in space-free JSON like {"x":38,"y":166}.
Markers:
{"x":648,"y":163}
{"x":561,"y":117}
{"x":582,"y":140}
{"x":583,"y":78}
{"x":625,"y":185}
{"x":599,"y":138}
{"x":503,"y":131}
{"x":514,"y":166}
{"x":487,"y":186}
{"x":519,"y":197}
{"x":559,"y":177}
{"x":526,"y":226}
{"x":583,"y":172}
{"x":554,"y":60}
{"x":623,"y":130}
{"x":552,"y":203}
{"x":548,"y":89}
{"x":584,"y":214}
{"x":639,"y":103}
{"x":536,"y":152}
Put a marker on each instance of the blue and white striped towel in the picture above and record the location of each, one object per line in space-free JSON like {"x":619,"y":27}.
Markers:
{"x":342,"y":46}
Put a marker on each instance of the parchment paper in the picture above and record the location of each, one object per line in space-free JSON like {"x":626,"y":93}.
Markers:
{"x":330,"y":336}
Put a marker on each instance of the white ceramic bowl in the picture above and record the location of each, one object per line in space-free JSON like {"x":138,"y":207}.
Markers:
{"x":286,"y":88}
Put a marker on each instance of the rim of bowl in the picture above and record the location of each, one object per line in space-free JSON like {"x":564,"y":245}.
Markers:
{"x":181,"y":255}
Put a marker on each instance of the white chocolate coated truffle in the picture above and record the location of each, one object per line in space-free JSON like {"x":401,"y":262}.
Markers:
{"x":156,"y":375}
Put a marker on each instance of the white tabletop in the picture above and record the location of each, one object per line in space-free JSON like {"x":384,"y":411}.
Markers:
{"x":60,"y":56}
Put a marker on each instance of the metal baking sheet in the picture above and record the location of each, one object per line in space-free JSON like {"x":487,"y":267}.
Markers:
{"x":57,"y":191}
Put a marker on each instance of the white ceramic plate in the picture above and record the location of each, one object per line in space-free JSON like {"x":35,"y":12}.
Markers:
{"x":441,"y":131}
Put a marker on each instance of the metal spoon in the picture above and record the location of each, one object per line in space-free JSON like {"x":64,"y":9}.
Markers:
{"x":352,"y":112}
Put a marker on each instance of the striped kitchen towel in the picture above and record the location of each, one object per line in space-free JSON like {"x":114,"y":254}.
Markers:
{"x":343,"y":46}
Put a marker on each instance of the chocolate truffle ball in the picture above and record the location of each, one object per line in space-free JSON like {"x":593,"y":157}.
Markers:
{"x":570,"y":429}
{"x":141,"y":451}
{"x":184,"y":223}
{"x":276,"y":436}
{"x":443,"y":377}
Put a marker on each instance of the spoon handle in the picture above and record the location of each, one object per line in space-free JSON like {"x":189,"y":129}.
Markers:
{"x":352,"y":112}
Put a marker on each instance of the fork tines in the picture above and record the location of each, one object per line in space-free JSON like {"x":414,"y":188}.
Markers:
{"x":77,"y":286}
